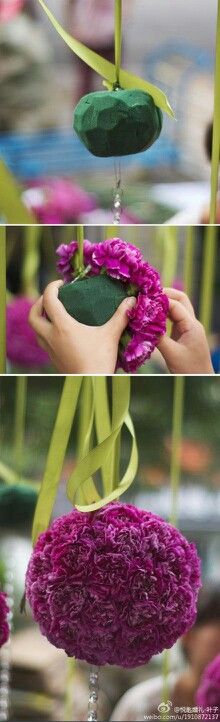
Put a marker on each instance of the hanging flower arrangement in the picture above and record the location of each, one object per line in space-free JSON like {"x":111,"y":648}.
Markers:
{"x":22,"y":346}
{"x":208,"y":693}
{"x":114,"y":586}
{"x":10,"y":8}
{"x":94,"y":302}
{"x":4,"y":626}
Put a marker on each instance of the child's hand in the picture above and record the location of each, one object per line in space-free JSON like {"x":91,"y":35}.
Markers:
{"x":187,"y":351}
{"x":73,"y":347}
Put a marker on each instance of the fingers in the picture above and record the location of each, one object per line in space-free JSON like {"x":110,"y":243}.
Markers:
{"x":119,"y":321}
{"x":176,"y":295}
{"x":37,"y":321}
{"x":180,"y":315}
{"x":51,"y":304}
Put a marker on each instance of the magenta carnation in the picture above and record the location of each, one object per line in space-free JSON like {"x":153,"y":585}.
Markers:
{"x":4,"y":626}
{"x":208,"y":694}
{"x":22,"y":346}
{"x":124,"y":262}
{"x":60,"y":200}
{"x":113,"y":586}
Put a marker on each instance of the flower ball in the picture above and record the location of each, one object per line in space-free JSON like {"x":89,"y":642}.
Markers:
{"x":116,"y":269}
{"x":208,"y":694}
{"x":4,"y":626}
{"x":114,"y":586}
{"x":22,"y":346}
{"x":117,"y":123}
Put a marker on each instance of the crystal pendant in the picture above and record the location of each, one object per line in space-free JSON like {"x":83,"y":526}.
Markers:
{"x":117,"y":196}
{"x":93,"y":694}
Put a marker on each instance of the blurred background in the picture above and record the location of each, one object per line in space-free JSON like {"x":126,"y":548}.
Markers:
{"x":181,"y":255}
{"x":41,"y":80}
{"x":40,"y":686}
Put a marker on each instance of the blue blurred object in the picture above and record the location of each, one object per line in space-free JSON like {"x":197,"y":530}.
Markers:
{"x":216,"y":360}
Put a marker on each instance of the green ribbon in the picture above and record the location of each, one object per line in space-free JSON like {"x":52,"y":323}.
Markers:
{"x":11,"y":477}
{"x":80,"y":241}
{"x":31,"y":261}
{"x":2,"y":300}
{"x":216,"y":127}
{"x":208,"y":277}
{"x":170,"y":254}
{"x":88,"y":466}
{"x":56,"y":455}
{"x":19,"y":420}
{"x":81,"y":488}
{"x":106,"y":69}
{"x":118,"y":38}
{"x":175,"y":469}
{"x":11,"y":205}
{"x":189,"y":260}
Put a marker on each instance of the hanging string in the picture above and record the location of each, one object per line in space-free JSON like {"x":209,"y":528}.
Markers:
{"x":189,"y":260}
{"x":19,"y":420}
{"x":31,"y":261}
{"x":2,"y":300}
{"x":175,"y":468}
{"x":216,"y":127}
{"x":208,"y":277}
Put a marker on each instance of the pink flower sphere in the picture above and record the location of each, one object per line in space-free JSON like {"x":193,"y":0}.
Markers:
{"x":113,"y":586}
{"x":22,"y":346}
{"x":124,"y":262}
{"x":4,"y":626}
{"x":59,"y":200}
{"x":208,"y":694}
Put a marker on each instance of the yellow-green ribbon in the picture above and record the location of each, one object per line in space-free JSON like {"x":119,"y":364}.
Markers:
{"x":106,"y":69}
{"x":216,"y":127}
{"x":175,"y":468}
{"x":31,"y":261}
{"x":188,"y":260}
{"x":88,"y":466}
{"x":11,"y":204}
{"x":105,"y":452}
{"x":208,"y":277}
{"x":170,"y":254}
{"x":118,"y":38}
{"x":56,"y":455}
{"x":19,"y":420}
{"x":2,"y":300}
{"x":80,"y":240}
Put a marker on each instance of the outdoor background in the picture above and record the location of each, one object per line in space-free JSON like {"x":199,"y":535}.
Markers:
{"x":39,"y":671}
{"x":40,"y":82}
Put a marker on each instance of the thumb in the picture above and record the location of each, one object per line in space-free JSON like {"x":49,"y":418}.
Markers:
{"x":119,"y":321}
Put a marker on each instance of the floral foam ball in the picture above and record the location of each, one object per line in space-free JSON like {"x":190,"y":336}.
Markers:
{"x":4,"y":626}
{"x":208,"y":694}
{"x":114,"y":586}
{"x":117,"y":123}
{"x":124,"y":264}
{"x":22,"y":346}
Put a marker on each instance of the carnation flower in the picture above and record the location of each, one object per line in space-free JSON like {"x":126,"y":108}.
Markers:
{"x":22,"y":346}
{"x":114,"y":586}
{"x":58,"y":200}
{"x":4,"y":626}
{"x":208,"y":694}
{"x":124,"y":262}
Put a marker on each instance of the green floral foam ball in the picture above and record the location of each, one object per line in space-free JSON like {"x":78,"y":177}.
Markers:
{"x":118,"y":122}
{"x":92,"y":300}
